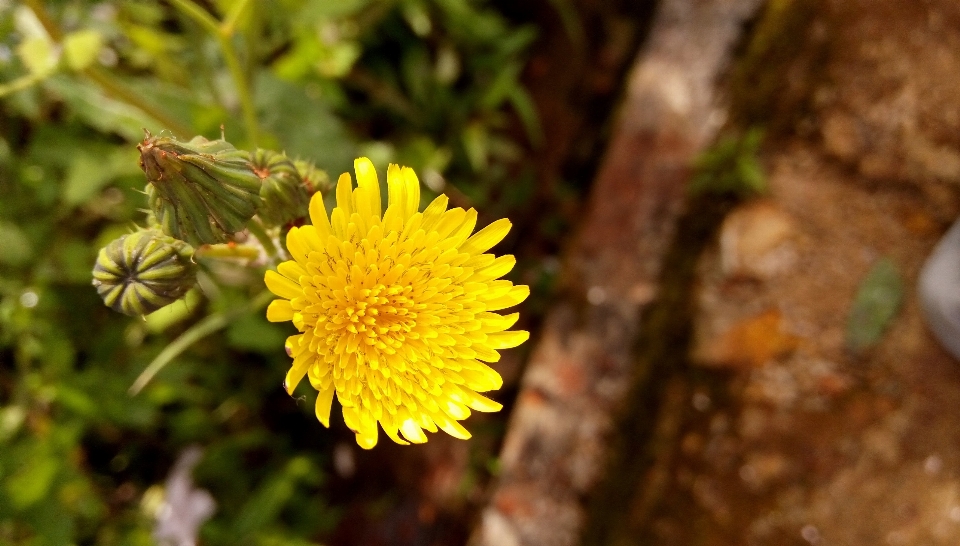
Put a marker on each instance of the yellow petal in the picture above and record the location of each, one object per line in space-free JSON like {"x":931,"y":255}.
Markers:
{"x":485,"y":353}
{"x":451,"y":427}
{"x":487,"y":237}
{"x":389,"y":424}
{"x":507,"y":340}
{"x":367,"y":438}
{"x":460,"y":234}
{"x":493,"y":322}
{"x":279,"y":311}
{"x":367,"y":179}
{"x":411,"y":431}
{"x":455,"y":410}
{"x":345,"y":195}
{"x":412,"y":193}
{"x":322,"y":408}
{"x":318,"y":216}
{"x":449,"y":221}
{"x":295,"y":373}
{"x":296,"y":246}
{"x":311,"y":238}
{"x":516,"y":295}
{"x":282,"y":286}
{"x":291,"y":270}
{"x":480,"y":402}
{"x":500,"y":267}
{"x":433,"y":211}
{"x":396,"y":189}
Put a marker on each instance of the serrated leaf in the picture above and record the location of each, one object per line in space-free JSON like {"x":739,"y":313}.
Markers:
{"x":81,"y":48}
{"x":876,"y":304}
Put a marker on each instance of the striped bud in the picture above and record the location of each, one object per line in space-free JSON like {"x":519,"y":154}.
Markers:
{"x":200,"y":191}
{"x":284,"y":196}
{"x":316,"y":180}
{"x":143,"y":271}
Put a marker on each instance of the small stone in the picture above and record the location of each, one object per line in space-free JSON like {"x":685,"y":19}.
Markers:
{"x":750,"y":343}
{"x":754,"y":241}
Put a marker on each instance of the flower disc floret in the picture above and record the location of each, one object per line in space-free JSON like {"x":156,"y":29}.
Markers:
{"x":396,"y":308}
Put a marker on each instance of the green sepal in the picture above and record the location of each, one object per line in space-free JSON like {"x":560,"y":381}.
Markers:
{"x":200,"y":191}
{"x":143,"y":271}
{"x":285,"y":197}
{"x":316,"y":180}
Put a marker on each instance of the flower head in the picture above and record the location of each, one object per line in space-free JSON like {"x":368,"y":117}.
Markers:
{"x":396,"y":309}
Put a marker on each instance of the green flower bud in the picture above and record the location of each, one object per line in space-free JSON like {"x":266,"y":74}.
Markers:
{"x":316,"y":180}
{"x":284,"y":196}
{"x":200,"y":191}
{"x":143,"y":271}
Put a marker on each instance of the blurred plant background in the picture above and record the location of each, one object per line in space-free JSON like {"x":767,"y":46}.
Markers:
{"x":433,"y":84}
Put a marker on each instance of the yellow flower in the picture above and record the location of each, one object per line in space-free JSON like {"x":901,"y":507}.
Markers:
{"x":395,"y":310}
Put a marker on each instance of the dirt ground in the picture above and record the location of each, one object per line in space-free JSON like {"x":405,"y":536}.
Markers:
{"x":787,"y":436}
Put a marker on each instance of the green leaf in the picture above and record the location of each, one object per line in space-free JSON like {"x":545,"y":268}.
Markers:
{"x":323,"y":9}
{"x":38,"y":55}
{"x":81,"y":48}
{"x":17,"y":249}
{"x":253,"y":333}
{"x":91,"y":170}
{"x":876,"y":304}
{"x":476,"y":143}
{"x":267,"y":502}
{"x":32,"y":482}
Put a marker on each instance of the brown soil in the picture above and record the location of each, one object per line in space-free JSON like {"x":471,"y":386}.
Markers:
{"x":787,"y":437}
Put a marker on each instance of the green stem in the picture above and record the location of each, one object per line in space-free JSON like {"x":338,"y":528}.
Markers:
{"x":227,"y":251}
{"x":23,"y":82}
{"x":257,"y":230}
{"x":223,"y":33}
{"x":197,"y":332}
{"x":230,"y":21}
{"x":48,"y":24}
{"x":199,"y":15}
{"x":243,"y":90}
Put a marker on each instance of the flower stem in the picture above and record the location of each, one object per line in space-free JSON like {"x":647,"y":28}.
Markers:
{"x":227,"y":251}
{"x":230,"y":21}
{"x":257,"y":230}
{"x":224,"y":32}
{"x":197,"y":332}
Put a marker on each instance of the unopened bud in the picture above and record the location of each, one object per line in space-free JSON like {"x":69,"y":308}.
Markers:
{"x":283,"y":193}
{"x":200,"y":191}
{"x":143,"y":271}
{"x":316,"y":180}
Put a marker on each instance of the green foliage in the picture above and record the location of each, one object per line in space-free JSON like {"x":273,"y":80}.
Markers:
{"x":731,"y":166}
{"x":877,"y":302}
{"x":430,"y":83}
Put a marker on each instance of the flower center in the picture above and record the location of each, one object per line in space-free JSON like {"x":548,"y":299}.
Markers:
{"x":380,"y":317}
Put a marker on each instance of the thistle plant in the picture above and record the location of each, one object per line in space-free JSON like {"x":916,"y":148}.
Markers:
{"x":396,"y":310}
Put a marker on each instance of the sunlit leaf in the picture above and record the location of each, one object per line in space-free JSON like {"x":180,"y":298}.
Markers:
{"x":80,"y":48}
